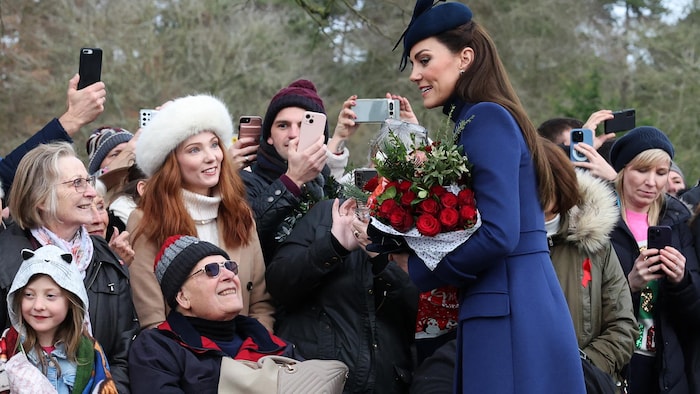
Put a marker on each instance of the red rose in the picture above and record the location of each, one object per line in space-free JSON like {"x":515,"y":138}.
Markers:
{"x":468,"y":214}
{"x":407,"y":198}
{"x":404,"y":186}
{"x":448,"y":200}
{"x":437,"y":190}
{"x":466,"y":197}
{"x":449,"y":218}
{"x":371,"y":184}
{"x":387,"y":207}
{"x":401,"y":220}
{"x":428,"y":206}
{"x":428,"y":225}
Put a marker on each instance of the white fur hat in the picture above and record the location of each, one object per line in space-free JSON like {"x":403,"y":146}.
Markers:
{"x":52,"y":261}
{"x":177,"y":121}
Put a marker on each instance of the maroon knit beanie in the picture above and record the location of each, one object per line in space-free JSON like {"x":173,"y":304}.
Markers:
{"x":300,"y":93}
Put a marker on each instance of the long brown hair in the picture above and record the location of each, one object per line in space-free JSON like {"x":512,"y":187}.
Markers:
{"x":165,"y":214}
{"x":487,"y":80}
{"x":70,"y":331}
{"x":565,"y":194}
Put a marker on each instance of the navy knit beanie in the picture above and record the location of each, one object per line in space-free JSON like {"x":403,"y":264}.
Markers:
{"x":300,"y":93}
{"x":637,"y":141}
{"x":429,"y":20}
{"x":176,"y":259}
{"x":101,"y":142}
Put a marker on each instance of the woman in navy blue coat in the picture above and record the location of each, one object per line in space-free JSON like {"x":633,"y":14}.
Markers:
{"x":515,"y":332}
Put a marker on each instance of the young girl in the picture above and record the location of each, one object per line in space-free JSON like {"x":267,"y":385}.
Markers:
{"x":48,"y":347}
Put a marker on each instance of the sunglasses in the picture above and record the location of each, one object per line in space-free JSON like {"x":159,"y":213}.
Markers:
{"x":214,"y":269}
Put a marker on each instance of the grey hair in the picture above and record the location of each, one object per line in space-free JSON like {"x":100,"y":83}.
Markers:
{"x":35,"y":185}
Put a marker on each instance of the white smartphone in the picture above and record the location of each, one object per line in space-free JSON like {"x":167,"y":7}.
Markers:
{"x":375,"y":110}
{"x":579,"y":135}
{"x":145,"y":116}
{"x":312,"y":127}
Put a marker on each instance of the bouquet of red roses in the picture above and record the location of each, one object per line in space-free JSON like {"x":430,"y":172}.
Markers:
{"x":423,"y":193}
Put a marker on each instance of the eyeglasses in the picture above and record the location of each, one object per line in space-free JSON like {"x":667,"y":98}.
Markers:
{"x":213,"y":269}
{"x":81,"y":184}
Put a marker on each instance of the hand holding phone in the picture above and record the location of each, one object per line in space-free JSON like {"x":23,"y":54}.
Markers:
{"x":578,"y":136}
{"x":312,"y":127}
{"x":250,"y":126}
{"x":658,"y":237}
{"x":622,"y":121}
{"x":90,"y":67}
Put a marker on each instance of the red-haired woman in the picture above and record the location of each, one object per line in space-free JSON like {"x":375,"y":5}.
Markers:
{"x":193,"y":189}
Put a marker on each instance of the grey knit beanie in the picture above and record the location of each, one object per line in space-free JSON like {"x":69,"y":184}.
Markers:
{"x":176,"y":259}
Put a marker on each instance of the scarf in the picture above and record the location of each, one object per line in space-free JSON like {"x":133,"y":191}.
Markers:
{"x":80,"y":246}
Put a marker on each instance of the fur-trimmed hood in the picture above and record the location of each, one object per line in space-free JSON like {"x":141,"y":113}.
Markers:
{"x":588,"y":225}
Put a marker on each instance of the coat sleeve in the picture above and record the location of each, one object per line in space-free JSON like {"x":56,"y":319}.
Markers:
{"x":612,"y":349}
{"x":148,"y":299}
{"x":685,"y":301}
{"x":53,"y":131}
{"x":493,"y":143}
{"x":304,"y":258}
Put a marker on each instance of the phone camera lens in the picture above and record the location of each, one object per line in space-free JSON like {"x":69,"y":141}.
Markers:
{"x":311,"y":120}
{"x":578,"y":136}
{"x":308,"y":116}
{"x":391,"y":106}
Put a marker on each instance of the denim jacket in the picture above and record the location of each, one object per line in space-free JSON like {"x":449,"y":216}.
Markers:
{"x":63,"y":377}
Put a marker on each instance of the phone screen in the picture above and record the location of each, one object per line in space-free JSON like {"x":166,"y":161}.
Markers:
{"x":90,"y":67}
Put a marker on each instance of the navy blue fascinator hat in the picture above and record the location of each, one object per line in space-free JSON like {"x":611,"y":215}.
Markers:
{"x":429,"y":20}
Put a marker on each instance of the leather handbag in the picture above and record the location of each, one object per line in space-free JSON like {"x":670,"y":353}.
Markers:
{"x":597,"y":381}
{"x":282,"y":375}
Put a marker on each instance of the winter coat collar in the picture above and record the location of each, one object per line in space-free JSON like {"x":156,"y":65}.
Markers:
{"x":256,"y":338}
{"x":588,"y":224}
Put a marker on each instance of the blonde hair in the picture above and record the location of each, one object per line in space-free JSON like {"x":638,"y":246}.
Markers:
{"x":647,"y":158}
{"x":35,"y":184}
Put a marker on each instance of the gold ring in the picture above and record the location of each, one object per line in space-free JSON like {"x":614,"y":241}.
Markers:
{"x":356,"y":233}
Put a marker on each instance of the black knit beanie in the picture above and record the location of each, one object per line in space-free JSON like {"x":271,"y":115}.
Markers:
{"x":176,"y":259}
{"x":635,"y":142}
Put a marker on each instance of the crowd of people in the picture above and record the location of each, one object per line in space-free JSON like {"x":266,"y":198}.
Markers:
{"x":175,"y":250}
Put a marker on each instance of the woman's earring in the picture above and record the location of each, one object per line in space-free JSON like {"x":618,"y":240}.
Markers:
{"x":461,"y":72}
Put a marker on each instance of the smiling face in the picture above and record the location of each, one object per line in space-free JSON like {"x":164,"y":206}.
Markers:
{"x":285,"y":128}
{"x":74,"y":207}
{"x":216,"y":299}
{"x":642,"y":184}
{"x":44,"y":307}
{"x":435,"y":69}
{"x":199,"y":159}
{"x":100,"y":218}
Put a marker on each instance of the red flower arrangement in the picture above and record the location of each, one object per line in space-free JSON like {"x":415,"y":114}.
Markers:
{"x":423,"y":193}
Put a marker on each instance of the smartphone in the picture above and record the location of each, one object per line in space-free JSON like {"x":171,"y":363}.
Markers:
{"x":577,"y":136}
{"x":312,"y":127}
{"x":145,"y":116}
{"x":90,"y":67}
{"x":623,"y":120}
{"x":250,"y":126}
{"x":363,"y":175}
{"x":375,"y":110}
{"x":658,"y":237}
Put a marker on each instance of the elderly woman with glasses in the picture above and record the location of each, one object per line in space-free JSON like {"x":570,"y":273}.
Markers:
{"x":51,"y":202}
{"x":204,"y":328}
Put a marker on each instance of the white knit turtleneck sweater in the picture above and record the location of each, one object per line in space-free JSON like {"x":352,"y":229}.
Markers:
{"x":203,"y":210}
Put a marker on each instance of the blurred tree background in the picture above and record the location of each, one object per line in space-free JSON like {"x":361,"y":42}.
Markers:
{"x":565,"y":58}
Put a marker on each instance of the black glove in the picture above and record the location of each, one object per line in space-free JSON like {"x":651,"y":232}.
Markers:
{"x":384,"y":243}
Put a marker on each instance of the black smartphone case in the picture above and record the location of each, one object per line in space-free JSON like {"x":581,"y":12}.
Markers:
{"x":90,"y":68}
